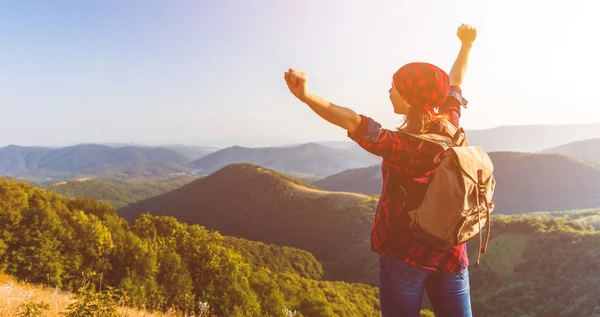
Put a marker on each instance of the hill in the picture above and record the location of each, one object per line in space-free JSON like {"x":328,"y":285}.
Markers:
{"x":531,"y":138}
{"x":119,"y":192}
{"x":34,"y":163}
{"x":530,"y":262}
{"x":190,"y":151}
{"x":309,"y":158}
{"x":366,"y":180}
{"x":259,"y":204}
{"x":537,"y":268}
{"x":160,"y":264}
{"x":526,"y":182}
{"x":18,"y":160}
{"x":586,"y":149}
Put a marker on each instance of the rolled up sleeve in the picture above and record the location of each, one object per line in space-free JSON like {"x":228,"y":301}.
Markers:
{"x":452,"y":105}
{"x":376,"y":140}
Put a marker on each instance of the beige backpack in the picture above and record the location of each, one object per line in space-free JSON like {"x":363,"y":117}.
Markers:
{"x":458,"y":201}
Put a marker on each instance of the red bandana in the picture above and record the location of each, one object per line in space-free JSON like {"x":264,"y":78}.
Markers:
{"x":422,"y":85}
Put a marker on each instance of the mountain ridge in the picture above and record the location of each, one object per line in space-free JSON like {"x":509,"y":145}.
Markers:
{"x":588,"y":149}
{"x":39,"y":163}
{"x":525,"y":182}
{"x":308,"y":158}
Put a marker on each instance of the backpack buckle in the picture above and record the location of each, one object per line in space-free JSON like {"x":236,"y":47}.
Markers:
{"x":459,"y":137}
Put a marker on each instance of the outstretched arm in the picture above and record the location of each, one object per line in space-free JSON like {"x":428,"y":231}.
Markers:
{"x":451,"y":107}
{"x":467,"y":35}
{"x":340,"y":116}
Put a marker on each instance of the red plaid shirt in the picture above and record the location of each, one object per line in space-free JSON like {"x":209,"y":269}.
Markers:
{"x":408,"y":163}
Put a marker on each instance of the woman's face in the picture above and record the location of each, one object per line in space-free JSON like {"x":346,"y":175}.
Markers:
{"x":400,"y":105}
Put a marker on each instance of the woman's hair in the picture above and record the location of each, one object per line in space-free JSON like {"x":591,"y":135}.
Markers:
{"x":418,"y":120}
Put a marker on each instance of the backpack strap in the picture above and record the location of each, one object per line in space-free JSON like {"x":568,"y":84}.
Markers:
{"x":459,"y":137}
{"x":442,"y":140}
{"x":481,"y":198}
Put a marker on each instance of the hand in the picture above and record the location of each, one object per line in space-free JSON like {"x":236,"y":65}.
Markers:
{"x":296,"y":82}
{"x":466,"y":33}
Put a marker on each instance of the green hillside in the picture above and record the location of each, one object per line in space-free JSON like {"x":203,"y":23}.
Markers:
{"x":157,"y":262}
{"x":538,"y":267}
{"x":119,"y":193}
{"x":259,"y":204}
{"x":534,"y":267}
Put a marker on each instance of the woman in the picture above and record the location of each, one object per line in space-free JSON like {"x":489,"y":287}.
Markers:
{"x":425,"y":95}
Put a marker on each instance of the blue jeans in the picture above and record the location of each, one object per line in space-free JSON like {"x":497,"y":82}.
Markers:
{"x":401,"y":287}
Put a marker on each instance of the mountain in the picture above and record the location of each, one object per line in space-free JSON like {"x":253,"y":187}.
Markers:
{"x":309,"y":158}
{"x":586,"y":149}
{"x":544,"y":182}
{"x":90,"y":156}
{"x":526,"y":182}
{"x":19,"y":160}
{"x":190,"y":151}
{"x":344,"y":145}
{"x":358,"y":180}
{"x":35,"y":163}
{"x":531,"y":138}
{"x":259,"y":204}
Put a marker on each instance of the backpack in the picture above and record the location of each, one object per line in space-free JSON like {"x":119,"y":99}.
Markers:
{"x":458,"y":200}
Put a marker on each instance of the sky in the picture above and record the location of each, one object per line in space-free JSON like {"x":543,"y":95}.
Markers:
{"x":207,"y":72}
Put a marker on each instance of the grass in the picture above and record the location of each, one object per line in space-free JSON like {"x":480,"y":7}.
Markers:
{"x":590,"y":216}
{"x":14,"y":294}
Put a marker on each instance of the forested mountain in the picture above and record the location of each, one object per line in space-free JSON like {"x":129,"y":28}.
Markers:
{"x":309,"y":158}
{"x":255,"y":203}
{"x":42,"y":164}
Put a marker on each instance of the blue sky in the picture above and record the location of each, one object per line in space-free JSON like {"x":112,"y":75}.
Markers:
{"x":211,"y":72}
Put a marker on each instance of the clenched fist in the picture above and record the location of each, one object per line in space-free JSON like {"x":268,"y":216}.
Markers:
{"x":466,"y":33}
{"x":296,"y":82}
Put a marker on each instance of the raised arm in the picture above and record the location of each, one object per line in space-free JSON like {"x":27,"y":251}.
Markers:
{"x":340,"y":116}
{"x":467,"y":35}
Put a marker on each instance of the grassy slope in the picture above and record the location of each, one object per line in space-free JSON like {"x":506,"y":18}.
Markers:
{"x":13,"y":294}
